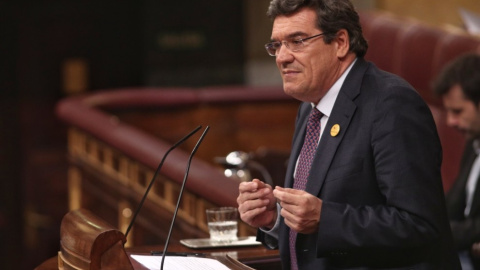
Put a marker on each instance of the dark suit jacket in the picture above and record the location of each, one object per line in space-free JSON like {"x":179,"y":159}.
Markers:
{"x":379,"y":179}
{"x":466,"y":230}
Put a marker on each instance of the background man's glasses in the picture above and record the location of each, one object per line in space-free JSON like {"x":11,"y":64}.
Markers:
{"x":293,"y":45}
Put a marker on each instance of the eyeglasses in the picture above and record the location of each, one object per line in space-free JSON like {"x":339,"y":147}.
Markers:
{"x":294,"y":45}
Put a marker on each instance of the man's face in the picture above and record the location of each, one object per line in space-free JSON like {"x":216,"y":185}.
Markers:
{"x":462,"y":113}
{"x":307,"y":74}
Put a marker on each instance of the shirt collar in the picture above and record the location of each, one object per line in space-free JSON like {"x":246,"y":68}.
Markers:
{"x":325,"y":105}
{"x":476,"y":146}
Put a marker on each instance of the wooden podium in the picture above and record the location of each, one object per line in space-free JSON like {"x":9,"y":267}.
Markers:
{"x":87,"y":242}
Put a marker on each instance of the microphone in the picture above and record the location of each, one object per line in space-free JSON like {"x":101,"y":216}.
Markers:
{"x":155,"y":176}
{"x":180,"y":195}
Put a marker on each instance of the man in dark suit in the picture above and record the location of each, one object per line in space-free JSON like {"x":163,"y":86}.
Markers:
{"x":459,"y":87}
{"x":370,"y":195}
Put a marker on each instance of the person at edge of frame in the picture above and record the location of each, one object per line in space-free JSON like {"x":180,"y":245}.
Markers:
{"x":458,"y":85}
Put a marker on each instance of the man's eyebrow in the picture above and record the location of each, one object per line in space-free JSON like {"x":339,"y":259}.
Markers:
{"x":292,"y":35}
{"x":296,"y":34}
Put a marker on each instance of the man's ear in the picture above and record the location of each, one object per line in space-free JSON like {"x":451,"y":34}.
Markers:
{"x":342,"y":40}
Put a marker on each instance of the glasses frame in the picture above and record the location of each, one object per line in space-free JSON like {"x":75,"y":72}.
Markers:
{"x":287,"y":42}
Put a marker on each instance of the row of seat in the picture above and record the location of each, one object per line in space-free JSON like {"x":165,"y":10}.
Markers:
{"x":414,"y":50}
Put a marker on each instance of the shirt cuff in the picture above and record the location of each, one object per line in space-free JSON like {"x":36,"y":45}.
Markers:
{"x":274,"y":230}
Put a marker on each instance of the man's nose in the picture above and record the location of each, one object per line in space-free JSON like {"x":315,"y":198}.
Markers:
{"x":283,"y":55}
{"x":452,"y":121}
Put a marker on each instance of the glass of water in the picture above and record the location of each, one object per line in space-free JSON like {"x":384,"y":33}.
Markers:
{"x":222,"y":224}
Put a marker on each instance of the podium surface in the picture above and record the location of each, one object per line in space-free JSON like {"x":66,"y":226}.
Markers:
{"x":255,"y":257}
{"x":87,"y":242}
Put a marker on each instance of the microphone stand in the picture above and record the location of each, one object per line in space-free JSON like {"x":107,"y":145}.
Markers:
{"x":155,"y":176}
{"x":180,"y":195}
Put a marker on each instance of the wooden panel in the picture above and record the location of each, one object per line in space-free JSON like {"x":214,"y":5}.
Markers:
{"x":244,"y":127}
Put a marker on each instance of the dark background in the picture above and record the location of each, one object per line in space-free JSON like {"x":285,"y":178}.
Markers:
{"x":124,"y":44}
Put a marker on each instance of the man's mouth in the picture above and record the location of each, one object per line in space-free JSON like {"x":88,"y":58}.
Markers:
{"x":287,"y":73}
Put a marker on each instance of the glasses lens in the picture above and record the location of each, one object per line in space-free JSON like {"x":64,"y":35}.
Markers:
{"x":295,"y":45}
{"x":271,"y":48}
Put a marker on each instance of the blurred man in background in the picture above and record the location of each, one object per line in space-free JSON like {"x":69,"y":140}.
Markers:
{"x":459,"y":87}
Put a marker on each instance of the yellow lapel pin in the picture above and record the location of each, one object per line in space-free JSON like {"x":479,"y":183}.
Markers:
{"x":335,"y":130}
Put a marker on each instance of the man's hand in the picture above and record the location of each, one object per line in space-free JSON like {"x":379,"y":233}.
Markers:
{"x":300,"y":209}
{"x":256,"y":204}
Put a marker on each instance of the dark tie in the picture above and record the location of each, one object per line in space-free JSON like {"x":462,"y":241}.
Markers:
{"x":303,"y":169}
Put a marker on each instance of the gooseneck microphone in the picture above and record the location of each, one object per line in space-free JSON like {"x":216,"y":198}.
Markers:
{"x":155,"y":177}
{"x":180,"y":195}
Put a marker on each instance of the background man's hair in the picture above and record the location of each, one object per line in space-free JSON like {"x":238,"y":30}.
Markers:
{"x":463,"y":71}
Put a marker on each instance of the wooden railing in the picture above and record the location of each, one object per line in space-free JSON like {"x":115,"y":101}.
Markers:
{"x":117,"y":138}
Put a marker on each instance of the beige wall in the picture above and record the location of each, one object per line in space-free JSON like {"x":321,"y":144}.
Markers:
{"x":431,"y":11}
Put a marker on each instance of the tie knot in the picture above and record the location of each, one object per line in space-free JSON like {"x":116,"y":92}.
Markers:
{"x":315,"y":114}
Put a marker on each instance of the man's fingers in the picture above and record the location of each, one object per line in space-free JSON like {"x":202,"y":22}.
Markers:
{"x":252,"y":186}
{"x":248,"y":187}
{"x":287,"y":195}
{"x":290,"y":191}
{"x":254,"y":199}
{"x":251,"y":213}
{"x":259,"y":183}
{"x":249,"y":205}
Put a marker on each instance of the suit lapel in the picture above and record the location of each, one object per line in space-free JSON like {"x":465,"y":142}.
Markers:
{"x":341,"y":115}
{"x":456,"y":196}
{"x":475,"y":203}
